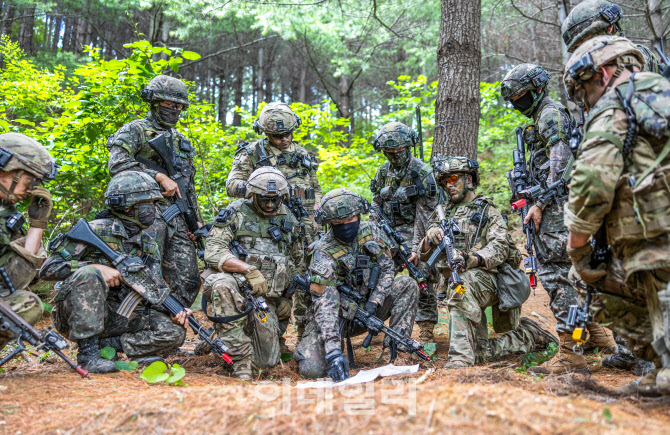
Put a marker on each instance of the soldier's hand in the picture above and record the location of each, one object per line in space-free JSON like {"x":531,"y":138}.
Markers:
{"x":111,"y":276}
{"x":581,"y":257}
{"x":338,"y":366}
{"x":259,"y":286}
{"x":170,"y":188}
{"x":40,"y":207}
{"x":435,"y":235}
{"x":283,"y":310}
{"x":535,"y":213}
{"x":181,"y":318}
{"x":459,"y":259}
{"x":414,"y":259}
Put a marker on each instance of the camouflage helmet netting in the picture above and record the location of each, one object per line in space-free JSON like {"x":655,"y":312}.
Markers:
{"x":521,"y":78}
{"x":394,"y":136}
{"x":276,"y":118}
{"x":340,"y":204}
{"x":443,"y":165}
{"x":23,"y":152}
{"x":267,"y":181}
{"x":167,"y":88}
{"x":130,"y":188}
{"x":589,"y":18}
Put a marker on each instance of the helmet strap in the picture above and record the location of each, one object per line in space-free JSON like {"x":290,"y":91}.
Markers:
{"x":11,"y":198}
{"x":134,"y":220}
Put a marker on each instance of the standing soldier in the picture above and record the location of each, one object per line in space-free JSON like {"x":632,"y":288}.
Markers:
{"x":277,"y":149}
{"x":481,"y":247}
{"x":547,"y":139}
{"x":258,"y":238}
{"x":621,"y":181}
{"x":129,"y":150}
{"x":92,"y":293}
{"x":347,"y":254}
{"x":24,"y":165}
{"x":405,"y":191}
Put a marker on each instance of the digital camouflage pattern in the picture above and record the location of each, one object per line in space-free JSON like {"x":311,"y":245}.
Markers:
{"x":28,"y":155}
{"x":180,"y":261}
{"x":394,"y":136}
{"x":588,"y":19}
{"x":276,"y":118}
{"x":444,"y":165}
{"x":85,"y":306}
{"x":248,"y":339}
{"x":340,"y":204}
{"x":334,"y":263}
{"x":131,"y":187}
{"x":522,"y":78}
{"x":168,"y":88}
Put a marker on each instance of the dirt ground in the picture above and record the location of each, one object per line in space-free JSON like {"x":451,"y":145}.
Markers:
{"x":47,"y":397}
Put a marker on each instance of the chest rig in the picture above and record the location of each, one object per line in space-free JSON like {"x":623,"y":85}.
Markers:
{"x":263,"y":235}
{"x":472,"y":219}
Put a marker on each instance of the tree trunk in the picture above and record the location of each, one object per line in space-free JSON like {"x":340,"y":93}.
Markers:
{"x":344,"y":96}
{"x":259,"y":76}
{"x":57,"y":29}
{"x":302,"y":93}
{"x":458,"y":94}
{"x":654,"y":16}
{"x":223,"y":99}
{"x":27,"y":30}
{"x":239,"y":81}
{"x":8,"y":13}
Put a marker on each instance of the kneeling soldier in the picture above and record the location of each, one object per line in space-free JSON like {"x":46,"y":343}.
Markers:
{"x":91,"y":293}
{"x":481,"y":247}
{"x":351,"y":253}
{"x":257,"y":246}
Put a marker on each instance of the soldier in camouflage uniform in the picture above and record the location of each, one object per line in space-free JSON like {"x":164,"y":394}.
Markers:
{"x":481,"y":247}
{"x":129,"y":151}
{"x":549,"y":155}
{"x":600,"y":17}
{"x":26,"y":164}
{"x":347,"y":254}
{"x":405,"y":190}
{"x":265,"y":228}
{"x":277,"y":149}
{"x":621,"y":181}
{"x":91,"y":291}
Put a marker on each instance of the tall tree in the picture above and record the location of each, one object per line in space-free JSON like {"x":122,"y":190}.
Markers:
{"x":458,"y":95}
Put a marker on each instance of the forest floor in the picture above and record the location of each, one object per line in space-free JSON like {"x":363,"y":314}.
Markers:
{"x":47,"y":397}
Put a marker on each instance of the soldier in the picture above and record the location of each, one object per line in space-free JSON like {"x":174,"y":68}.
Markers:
{"x":270,"y":237}
{"x":346,"y":254}
{"x":547,"y":139}
{"x":91,"y":292}
{"x":599,"y":17}
{"x":481,"y":247}
{"x":277,"y":149}
{"x":405,"y":190}
{"x":24,"y":165}
{"x":128,"y":150}
{"x":620,"y":181}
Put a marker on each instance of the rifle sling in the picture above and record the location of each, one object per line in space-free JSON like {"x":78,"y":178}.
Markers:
{"x":151,"y":165}
{"x":350,"y":348}
{"x":223,"y":319}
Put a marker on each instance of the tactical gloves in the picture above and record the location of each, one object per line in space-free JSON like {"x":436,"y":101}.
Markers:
{"x":581,"y":257}
{"x":434,"y":235}
{"x":259,"y":286}
{"x":283,"y":310}
{"x":338,"y":366}
{"x":40,"y":207}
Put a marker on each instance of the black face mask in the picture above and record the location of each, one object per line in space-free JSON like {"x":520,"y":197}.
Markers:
{"x":166,"y":116}
{"x":146,"y":214}
{"x":524,"y":103}
{"x":398,"y":160}
{"x":139,"y":217}
{"x":346,"y":232}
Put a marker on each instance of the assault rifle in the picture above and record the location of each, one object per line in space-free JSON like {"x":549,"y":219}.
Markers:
{"x":446,"y":247}
{"x":23,"y":332}
{"x":180,"y":206}
{"x":665,"y":70}
{"x":402,"y":257}
{"x":577,"y":134}
{"x":519,"y":180}
{"x":256,"y":303}
{"x":557,"y":191}
{"x":145,"y":284}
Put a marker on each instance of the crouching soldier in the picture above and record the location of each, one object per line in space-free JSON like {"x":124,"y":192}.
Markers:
{"x":256,"y":245}
{"x":86,"y":308}
{"x":480,"y":247}
{"x":354,"y":254}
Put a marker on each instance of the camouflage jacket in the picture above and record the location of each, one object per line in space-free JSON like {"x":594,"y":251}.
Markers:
{"x":631,"y":197}
{"x":492,"y":242}
{"x":67,"y":256}
{"x":20,"y":264}
{"x":130,"y":142}
{"x":407,"y":197}
{"x":334,"y":263}
{"x":278,"y":261}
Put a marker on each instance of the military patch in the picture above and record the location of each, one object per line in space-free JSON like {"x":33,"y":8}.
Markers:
{"x":317,"y":288}
{"x":253,"y":227}
{"x":320,"y":269}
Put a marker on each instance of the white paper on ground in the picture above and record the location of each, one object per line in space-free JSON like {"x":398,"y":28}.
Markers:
{"x":363,"y":376}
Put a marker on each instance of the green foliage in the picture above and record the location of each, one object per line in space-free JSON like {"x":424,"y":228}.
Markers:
{"x":607,"y":414}
{"x":286,"y":356}
{"x":532,"y":359}
{"x":158,"y":372}
{"x":126,"y":366}
{"x":429,"y":348}
{"x":108,"y":352}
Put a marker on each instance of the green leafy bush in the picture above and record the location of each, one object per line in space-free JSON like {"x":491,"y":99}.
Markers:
{"x":158,"y":371}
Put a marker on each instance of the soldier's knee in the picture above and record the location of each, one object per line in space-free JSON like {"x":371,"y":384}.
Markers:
{"x":28,"y":305}
{"x":312,"y":369}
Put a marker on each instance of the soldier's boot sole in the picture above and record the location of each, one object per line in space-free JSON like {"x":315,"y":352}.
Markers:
{"x":542,"y":338}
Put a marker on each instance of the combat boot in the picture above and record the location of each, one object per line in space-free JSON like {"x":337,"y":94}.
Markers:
{"x":113,"y":342}
{"x":601,"y":338}
{"x":301,"y":332}
{"x":88,"y":356}
{"x":625,"y":360}
{"x":426,"y":333}
{"x":644,"y":386}
{"x":565,"y":361}
{"x":542,"y":337}
{"x":242,"y":369}
{"x":148,"y":360}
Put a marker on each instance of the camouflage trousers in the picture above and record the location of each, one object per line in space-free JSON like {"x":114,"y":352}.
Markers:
{"x":654,"y":281}
{"x":86,"y":307}
{"x":302,"y":300}
{"x":247,"y":338}
{"x":27,"y":305}
{"x":428,"y":298}
{"x":400,"y":306}
{"x":468,"y":331}
{"x":180,"y":258}
{"x":554,"y":279}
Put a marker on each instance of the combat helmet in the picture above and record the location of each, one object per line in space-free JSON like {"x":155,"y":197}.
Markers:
{"x":340,"y":204}
{"x":444,"y":165}
{"x":130,"y":188}
{"x":590,"y":18}
{"x":18,"y":151}
{"x":595,"y":53}
{"x":267,"y":181}
{"x":523,"y":78}
{"x":166,"y":88}
{"x":276,"y":118}
{"x":394,"y":136}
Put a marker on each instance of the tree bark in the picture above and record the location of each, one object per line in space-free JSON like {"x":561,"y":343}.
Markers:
{"x":458,"y":94}
{"x":223,"y":99}
{"x":302,"y":92}
{"x":259,"y":76}
{"x":27,"y":30}
{"x":239,"y":82}
{"x":654,"y":16}
{"x":8,"y":13}
{"x":57,"y":29}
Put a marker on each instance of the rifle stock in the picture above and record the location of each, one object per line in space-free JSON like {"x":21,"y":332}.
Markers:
{"x":446,"y":247}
